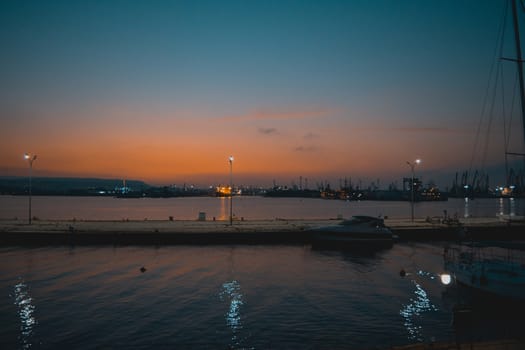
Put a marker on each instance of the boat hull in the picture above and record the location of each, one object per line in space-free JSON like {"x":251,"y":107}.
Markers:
{"x":496,"y":277}
{"x":359,"y":231}
{"x":341,"y":239}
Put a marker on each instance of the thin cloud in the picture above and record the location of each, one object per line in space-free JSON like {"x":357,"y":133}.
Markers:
{"x":310,"y":136}
{"x":268,"y":131}
{"x":305,"y":149}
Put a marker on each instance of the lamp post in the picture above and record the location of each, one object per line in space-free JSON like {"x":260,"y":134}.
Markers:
{"x":412,"y":165}
{"x":231,"y":189}
{"x":30,"y":158}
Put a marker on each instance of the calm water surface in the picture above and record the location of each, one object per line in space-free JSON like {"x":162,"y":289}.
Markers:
{"x":249,"y":207}
{"x":218,"y":297}
{"x":241,"y":297}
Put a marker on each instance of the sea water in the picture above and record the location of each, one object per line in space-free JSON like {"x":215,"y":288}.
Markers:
{"x":219,"y":297}
{"x":247,"y":207}
{"x":240,"y":297}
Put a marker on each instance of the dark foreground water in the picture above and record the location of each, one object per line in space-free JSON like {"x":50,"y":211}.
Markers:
{"x":220,"y":297}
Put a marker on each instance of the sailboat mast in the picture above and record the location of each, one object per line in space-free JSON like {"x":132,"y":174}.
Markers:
{"x":519,"y":61}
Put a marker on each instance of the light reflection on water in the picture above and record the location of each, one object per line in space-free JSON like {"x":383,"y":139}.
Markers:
{"x":232,"y":291}
{"x":507,"y":207}
{"x":26,"y":310}
{"x":222,"y":297}
{"x":413,"y":311}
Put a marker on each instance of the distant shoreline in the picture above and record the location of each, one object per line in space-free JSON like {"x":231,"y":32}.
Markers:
{"x":118,"y":188}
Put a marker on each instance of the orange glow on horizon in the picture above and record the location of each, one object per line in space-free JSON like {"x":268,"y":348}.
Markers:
{"x":168,"y":148}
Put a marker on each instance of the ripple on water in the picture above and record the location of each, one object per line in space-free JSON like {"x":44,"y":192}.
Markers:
{"x":26,"y":313}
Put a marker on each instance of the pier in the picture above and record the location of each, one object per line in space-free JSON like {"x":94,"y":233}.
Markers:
{"x":278,"y":231}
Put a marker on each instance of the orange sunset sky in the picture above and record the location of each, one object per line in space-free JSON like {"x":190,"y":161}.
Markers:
{"x":165,"y":91}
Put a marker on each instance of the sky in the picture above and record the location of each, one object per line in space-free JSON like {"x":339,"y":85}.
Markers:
{"x":166,"y":91}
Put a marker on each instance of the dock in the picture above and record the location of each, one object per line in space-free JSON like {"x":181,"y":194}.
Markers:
{"x":277,"y":231}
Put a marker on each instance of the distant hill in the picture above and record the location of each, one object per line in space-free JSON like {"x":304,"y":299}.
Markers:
{"x":18,"y":185}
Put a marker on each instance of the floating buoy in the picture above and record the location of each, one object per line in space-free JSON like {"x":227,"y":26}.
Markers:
{"x":142,"y":269}
{"x":402,"y":273}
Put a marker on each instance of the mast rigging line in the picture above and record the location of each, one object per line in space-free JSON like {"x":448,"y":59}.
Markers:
{"x":497,"y":53}
{"x":498,"y":80}
{"x":519,"y":60}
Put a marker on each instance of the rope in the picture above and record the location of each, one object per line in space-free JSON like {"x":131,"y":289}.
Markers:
{"x":497,"y":54}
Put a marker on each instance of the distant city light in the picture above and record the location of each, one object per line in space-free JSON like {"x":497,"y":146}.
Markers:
{"x":224,"y":190}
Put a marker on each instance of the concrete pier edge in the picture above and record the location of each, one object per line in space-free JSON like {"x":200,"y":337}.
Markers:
{"x":276,"y":231}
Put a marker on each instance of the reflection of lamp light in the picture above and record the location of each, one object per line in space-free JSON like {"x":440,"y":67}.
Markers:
{"x":412,"y":165}
{"x":445,"y":279}
{"x":30,"y":158}
{"x":231,"y":189}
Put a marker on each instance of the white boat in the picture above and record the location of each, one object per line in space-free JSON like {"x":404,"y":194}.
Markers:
{"x":476,"y":266}
{"x":355,"y":232}
{"x":488,"y":269}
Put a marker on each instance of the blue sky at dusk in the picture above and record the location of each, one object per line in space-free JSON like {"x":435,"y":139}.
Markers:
{"x":165,"y":91}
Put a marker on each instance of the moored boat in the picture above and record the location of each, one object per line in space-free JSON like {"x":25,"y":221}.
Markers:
{"x":475,"y":266}
{"x":478,"y":267}
{"x":356,"y":232}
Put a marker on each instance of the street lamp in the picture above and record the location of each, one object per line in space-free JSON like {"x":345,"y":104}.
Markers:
{"x":30,"y":158}
{"x":412,"y":165}
{"x":231,"y":189}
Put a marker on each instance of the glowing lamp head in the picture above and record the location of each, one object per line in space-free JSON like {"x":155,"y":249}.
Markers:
{"x":414,"y":163}
{"x":445,"y":279}
{"x":230,"y":159}
{"x":29,"y":157}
